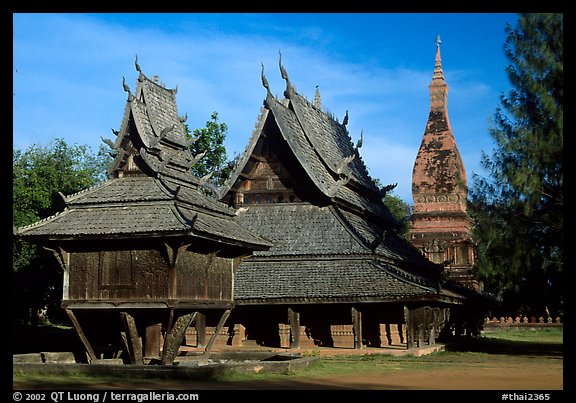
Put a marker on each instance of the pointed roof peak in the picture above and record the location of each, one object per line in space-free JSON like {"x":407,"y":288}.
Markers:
{"x":438,"y":73}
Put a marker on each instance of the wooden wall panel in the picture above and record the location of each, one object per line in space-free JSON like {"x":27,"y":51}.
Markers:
{"x":204,"y":277}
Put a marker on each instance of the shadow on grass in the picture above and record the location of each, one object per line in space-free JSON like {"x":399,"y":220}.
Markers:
{"x":32,"y":339}
{"x":507,"y":347}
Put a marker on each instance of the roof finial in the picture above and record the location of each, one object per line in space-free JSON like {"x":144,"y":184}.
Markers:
{"x":138,"y":69}
{"x":438,"y":74}
{"x":264,"y":80}
{"x":317,"y":101}
{"x":289,"y":89}
{"x":127,"y":89}
{"x":345,"y":120}
{"x":267,"y":86}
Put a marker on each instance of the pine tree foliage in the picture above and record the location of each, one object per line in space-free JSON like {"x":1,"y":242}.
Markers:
{"x":518,"y":211}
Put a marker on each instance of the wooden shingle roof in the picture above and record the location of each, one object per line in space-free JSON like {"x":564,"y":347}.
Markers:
{"x":339,"y":248}
{"x":324,"y":149}
{"x":325,"y":280}
{"x":151,"y":191}
{"x":142,"y":206}
{"x":321,"y":246}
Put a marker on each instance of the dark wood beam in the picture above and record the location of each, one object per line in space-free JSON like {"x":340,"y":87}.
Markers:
{"x":200,"y":329}
{"x":357,"y":327}
{"x":294,"y":321}
{"x":89,"y":350}
{"x":175,"y":336}
{"x":219,"y":327}
{"x":132,"y":339}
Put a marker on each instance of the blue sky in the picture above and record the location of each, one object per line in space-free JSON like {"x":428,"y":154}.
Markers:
{"x":68,"y":69}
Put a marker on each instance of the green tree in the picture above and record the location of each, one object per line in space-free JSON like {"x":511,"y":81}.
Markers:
{"x":399,"y":209}
{"x":210,"y":140}
{"x":39,"y":174}
{"x":518,"y":211}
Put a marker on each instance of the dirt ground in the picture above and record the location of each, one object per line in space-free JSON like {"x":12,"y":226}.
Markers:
{"x":505,"y":379}
{"x":540,"y":373}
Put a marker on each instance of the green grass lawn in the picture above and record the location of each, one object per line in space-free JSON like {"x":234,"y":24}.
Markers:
{"x":544,"y":335}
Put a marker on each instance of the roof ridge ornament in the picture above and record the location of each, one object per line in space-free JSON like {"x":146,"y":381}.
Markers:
{"x":317,"y":100}
{"x":384,"y":190}
{"x":141,"y":76}
{"x":194,"y":160}
{"x":360,"y":140}
{"x":345,"y":120}
{"x":163,"y":134}
{"x":109,"y":143}
{"x":206,"y":185}
{"x":138,"y":69}
{"x":289,"y":88}
{"x":344,"y":163}
{"x":127,"y":89}
{"x":269,"y":95}
{"x":334,"y":187}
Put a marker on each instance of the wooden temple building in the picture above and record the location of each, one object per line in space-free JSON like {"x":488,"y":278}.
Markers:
{"x":146,"y":253}
{"x":337,"y":274}
{"x":441,"y":228}
{"x":297,"y":249}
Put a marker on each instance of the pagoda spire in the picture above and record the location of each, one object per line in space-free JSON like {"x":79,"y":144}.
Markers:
{"x":439,"y":172}
{"x":438,"y":86}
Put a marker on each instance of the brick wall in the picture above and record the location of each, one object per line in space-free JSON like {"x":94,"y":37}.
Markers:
{"x":523,"y":322}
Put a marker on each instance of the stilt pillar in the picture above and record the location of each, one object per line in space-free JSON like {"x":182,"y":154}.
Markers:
{"x":131,"y":338}
{"x":219,"y":327}
{"x":357,"y":328}
{"x":174,"y":337}
{"x":294,"y":322}
{"x":89,"y":350}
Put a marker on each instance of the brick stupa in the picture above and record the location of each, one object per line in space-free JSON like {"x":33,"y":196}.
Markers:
{"x":440,"y":224}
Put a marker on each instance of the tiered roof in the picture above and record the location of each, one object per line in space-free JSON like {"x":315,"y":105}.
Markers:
{"x":340,"y":249}
{"x":151,"y":190}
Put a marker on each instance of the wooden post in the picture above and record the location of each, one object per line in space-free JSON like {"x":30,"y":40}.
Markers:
{"x":294,"y":322}
{"x":357,"y":328}
{"x":219,"y":327}
{"x":409,"y":328}
{"x":152,"y":341}
{"x":83,"y":338}
{"x":132,"y":339}
{"x":200,"y":325}
{"x":388,"y":334}
{"x":174,"y":338}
